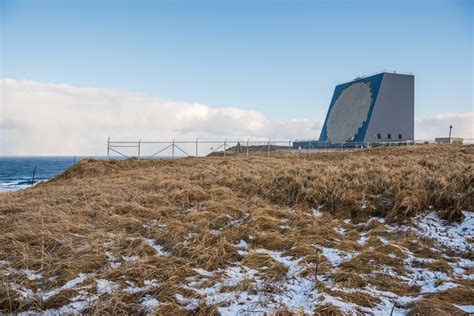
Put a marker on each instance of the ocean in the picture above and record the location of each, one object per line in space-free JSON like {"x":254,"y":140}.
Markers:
{"x":17,"y":172}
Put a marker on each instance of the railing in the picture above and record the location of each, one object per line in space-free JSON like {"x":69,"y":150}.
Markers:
{"x":200,"y":148}
{"x":196,"y":148}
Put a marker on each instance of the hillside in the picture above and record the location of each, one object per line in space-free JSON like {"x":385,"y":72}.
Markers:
{"x":386,"y":230}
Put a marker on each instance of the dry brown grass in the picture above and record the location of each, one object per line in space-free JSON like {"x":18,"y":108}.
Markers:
{"x":387,"y":283}
{"x":98,"y":213}
{"x":328,"y":310}
{"x":434,"y":307}
{"x":349,"y":279}
{"x":372,"y":261}
{"x":437,"y":265}
{"x":458,"y":295}
{"x":359,"y":298}
{"x":270,"y":268}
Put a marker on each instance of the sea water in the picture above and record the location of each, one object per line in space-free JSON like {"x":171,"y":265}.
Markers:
{"x":17,"y":172}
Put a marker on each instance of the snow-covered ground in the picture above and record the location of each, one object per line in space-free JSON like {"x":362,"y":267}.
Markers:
{"x":453,"y":236}
{"x":239,"y":289}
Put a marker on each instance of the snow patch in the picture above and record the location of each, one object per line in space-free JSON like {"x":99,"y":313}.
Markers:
{"x":454,"y":236}
{"x":294,"y":291}
{"x":428,"y":281}
{"x":68,"y":285}
{"x":29,"y":274}
{"x":467,"y":308}
{"x":150,"y":303}
{"x":215,"y":232}
{"x":203,"y":272}
{"x":112,"y":260}
{"x":148,"y":284}
{"x":363,"y":239}
{"x":317,"y":212}
{"x":24,"y":292}
{"x":341,"y":231}
{"x":105,"y":286}
{"x":72,"y":283}
{"x":130,"y":258}
{"x":242,"y":244}
{"x":336,"y":256}
{"x":159,"y":249}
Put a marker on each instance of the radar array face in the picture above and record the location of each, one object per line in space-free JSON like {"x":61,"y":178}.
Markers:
{"x":349,"y":112}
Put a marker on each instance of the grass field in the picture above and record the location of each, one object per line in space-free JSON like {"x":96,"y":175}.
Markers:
{"x":382,"y":231}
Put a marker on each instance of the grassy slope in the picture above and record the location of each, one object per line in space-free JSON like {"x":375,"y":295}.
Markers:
{"x":103,"y":218}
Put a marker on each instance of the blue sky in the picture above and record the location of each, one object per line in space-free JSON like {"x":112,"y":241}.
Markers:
{"x":281,"y":58}
{"x":76,"y":72}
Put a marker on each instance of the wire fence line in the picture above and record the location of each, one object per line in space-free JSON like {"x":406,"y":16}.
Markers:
{"x":196,"y":148}
{"x":200,"y":148}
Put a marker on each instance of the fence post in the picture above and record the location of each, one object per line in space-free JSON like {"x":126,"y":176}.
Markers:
{"x":108,"y":149}
{"x":196,"y":147}
{"x":268,"y":148}
{"x":172,"y":150}
{"x":139,"y":143}
{"x":247,"y":148}
{"x":225,"y":144}
{"x":33,"y":177}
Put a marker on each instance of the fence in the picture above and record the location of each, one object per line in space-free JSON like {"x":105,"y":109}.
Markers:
{"x":196,"y":148}
{"x":200,"y":148}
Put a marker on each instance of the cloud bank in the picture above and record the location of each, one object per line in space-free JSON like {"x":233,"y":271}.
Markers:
{"x":59,"y":119}
{"x":438,"y":126}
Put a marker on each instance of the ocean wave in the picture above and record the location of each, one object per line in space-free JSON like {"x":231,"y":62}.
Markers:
{"x":18,"y":184}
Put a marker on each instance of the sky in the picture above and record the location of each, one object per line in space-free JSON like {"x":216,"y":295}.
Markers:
{"x":76,"y":72}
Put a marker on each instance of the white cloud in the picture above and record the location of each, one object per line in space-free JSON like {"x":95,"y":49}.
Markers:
{"x":438,"y":126}
{"x":59,"y":119}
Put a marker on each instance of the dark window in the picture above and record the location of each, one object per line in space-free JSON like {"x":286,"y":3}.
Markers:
{"x":389,"y":136}
{"x":400,"y":136}
{"x":379,"y":135}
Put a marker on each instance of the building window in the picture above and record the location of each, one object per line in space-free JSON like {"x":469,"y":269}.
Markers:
{"x":400,"y":136}
{"x":379,"y":136}
{"x":389,"y":136}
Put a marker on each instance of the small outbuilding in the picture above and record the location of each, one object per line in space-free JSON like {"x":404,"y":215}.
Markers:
{"x":449,"y":140}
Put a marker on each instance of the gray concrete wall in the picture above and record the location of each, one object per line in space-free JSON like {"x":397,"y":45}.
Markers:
{"x":394,"y":110}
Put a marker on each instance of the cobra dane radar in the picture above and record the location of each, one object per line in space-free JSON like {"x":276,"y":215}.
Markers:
{"x":374,"y":109}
